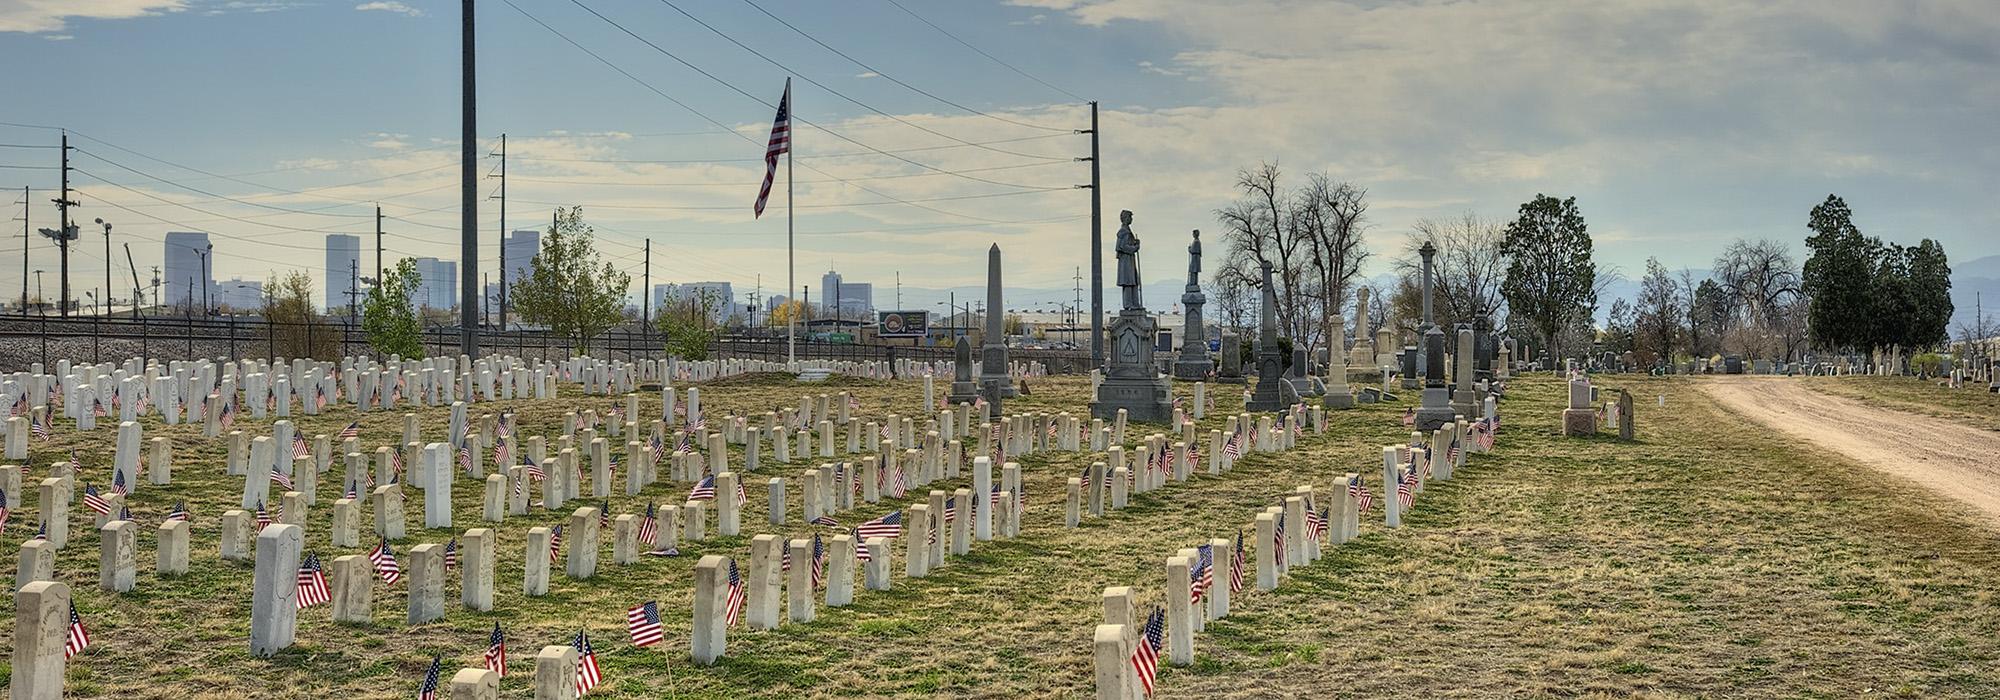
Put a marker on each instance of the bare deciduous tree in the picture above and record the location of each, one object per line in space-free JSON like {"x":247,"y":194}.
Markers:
{"x":1261,"y":227}
{"x":1466,"y":271}
{"x":1333,"y":215}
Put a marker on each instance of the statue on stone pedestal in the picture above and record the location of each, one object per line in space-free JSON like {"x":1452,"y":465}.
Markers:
{"x":1194,"y":258}
{"x":1128,"y":262}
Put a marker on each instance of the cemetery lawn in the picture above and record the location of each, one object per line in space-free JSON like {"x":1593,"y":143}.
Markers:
{"x":1973,"y":405}
{"x":1706,"y":559}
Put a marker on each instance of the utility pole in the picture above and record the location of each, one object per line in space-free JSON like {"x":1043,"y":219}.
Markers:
{"x":27,"y":209}
{"x":1096,"y":249}
{"x":645,"y":295}
{"x":156,"y":289}
{"x":503,"y":232}
{"x":378,"y":243}
{"x":353,"y":287}
{"x":899,"y":290}
{"x":68,"y":232}
{"x":468,"y":214}
{"x":107,"y":266}
{"x":38,"y":291}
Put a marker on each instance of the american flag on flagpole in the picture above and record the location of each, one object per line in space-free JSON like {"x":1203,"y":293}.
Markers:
{"x":384,"y":560}
{"x":1203,"y":574}
{"x":79,"y":638}
{"x":587,"y":674}
{"x":1236,"y":562}
{"x":312,"y":583}
{"x":1146,"y":658}
{"x":95,"y":502}
{"x":649,"y":527}
{"x":643,"y":622}
{"x":496,"y":651}
{"x":733,"y":606}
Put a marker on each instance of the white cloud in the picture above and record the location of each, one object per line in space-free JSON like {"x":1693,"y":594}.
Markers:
{"x":58,"y":37}
{"x":390,"y":6}
{"x":37,"y":16}
{"x":867,"y":74}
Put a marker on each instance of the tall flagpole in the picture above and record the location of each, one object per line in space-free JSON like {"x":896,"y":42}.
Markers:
{"x":791,"y":283}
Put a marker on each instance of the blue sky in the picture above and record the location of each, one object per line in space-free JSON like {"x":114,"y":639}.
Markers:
{"x":1678,"y":126}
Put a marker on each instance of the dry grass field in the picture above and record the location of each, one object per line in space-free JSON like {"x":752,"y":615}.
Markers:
{"x":1706,"y":559}
{"x":1973,"y":405}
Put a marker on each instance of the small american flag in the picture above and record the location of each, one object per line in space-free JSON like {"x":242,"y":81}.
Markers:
{"x":118,"y":482}
{"x":4,"y":512}
{"x":1146,"y":658}
{"x":1315,"y":523}
{"x":733,"y":606}
{"x":1203,"y":574}
{"x":555,"y":544}
{"x":279,"y":478}
{"x":1278,"y":542}
{"x":1404,"y":489}
{"x":502,"y":455}
{"x":94,"y":502}
{"x":1237,"y":565}
{"x":41,"y":426}
{"x":826,"y":520}
{"x":299,"y":446}
{"x":643,"y":622}
{"x":465,"y":456}
{"x":587,"y":675}
{"x":889,"y":525}
{"x":860,"y":547}
{"x":179,"y":513}
{"x":657,"y":449}
{"x":228,"y":414}
{"x":1363,"y":498}
{"x":699,"y":423}
{"x":352,"y":430}
{"x":429,"y":690}
{"x":79,"y":638}
{"x":312,"y":583}
{"x":1409,"y":417}
{"x":649,"y":527}
{"x":703,"y":490}
{"x":534,"y":471}
{"x":1233,"y":447}
{"x":384,"y":560}
{"x":396,"y":460}
{"x":75,"y":463}
{"x":451,"y":554}
{"x":496,"y":651}
{"x":819,"y":561}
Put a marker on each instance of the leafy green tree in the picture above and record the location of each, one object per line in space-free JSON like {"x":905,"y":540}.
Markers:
{"x":1839,"y":276}
{"x":569,"y":288}
{"x":684,"y":321}
{"x":1551,"y":282}
{"x":389,"y":318}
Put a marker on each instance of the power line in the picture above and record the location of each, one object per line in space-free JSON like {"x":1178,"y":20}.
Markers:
{"x":990,"y":57}
{"x":712,"y":120}
{"x":795,"y":117}
{"x":198,"y":190}
{"x":822,"y":156}
{"x":820,"y":85}
{"x":894,"y":79}
{"x":953,"y":198}
{"x":607,"y":183}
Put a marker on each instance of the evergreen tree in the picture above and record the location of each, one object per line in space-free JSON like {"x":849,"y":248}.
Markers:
{"x":1930,"y":289}
{"x":1551,"y":282}
{"x":1838,"y":277}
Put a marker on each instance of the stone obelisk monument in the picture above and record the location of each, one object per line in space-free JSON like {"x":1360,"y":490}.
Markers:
{"x":1436,"y":410}
{"x":1271,"y":387}
{"x":993,"y":347}
{"x":1193,"y":361}
{"x":1131,"y":381}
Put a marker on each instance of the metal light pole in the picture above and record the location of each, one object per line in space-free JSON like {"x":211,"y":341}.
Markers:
{"x":468,"y":215}
{"x":107,"y":264}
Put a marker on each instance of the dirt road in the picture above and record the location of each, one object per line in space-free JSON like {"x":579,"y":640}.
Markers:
{"x":1951,"y":459}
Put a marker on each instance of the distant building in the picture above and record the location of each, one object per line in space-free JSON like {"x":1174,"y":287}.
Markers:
{"x":720,"y":296}
{"x":343,"y":260}
{"x":845,"y":300}
{"x":239,"y":294}
{"x":520,"y":248}
{"x":437,"y":284}
{"x":186,"y":278}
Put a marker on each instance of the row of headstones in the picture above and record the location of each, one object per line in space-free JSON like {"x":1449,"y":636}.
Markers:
{"x":1109,"y":484}
{"x":1115,"y":641}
